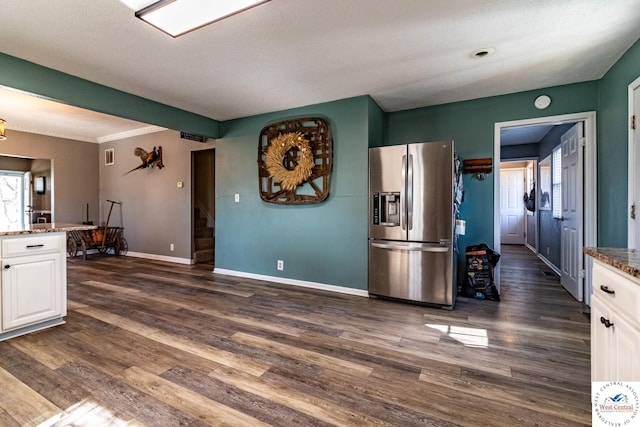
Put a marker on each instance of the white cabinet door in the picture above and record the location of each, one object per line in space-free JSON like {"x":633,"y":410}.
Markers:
{"x":627,"y":344}
{"x":602,"y":350}
{"x":614,"y":348}
{"x":32,"y":290}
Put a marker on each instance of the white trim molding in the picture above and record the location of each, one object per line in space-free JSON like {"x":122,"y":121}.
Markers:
{"x":633,"y":169}
{"x":550,"y":265}
{"x":84,"y":138}
{"x":160,"y":257}
{"x":45,"y":132}
{"x":294,"y":282}
{"x":129,"y":133}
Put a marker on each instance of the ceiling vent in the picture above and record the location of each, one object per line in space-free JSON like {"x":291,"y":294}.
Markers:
{"x":481,"y":53}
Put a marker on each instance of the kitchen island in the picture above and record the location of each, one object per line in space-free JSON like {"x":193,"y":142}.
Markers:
{"x":615,"y":314}
{"x":33,"y":291}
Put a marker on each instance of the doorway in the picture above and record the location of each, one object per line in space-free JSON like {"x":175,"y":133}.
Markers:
{"x":512,"y":208}
{"x":588,"y":224}
{"x":203,"y":206}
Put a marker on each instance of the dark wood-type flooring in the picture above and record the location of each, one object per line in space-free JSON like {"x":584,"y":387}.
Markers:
{"x":159,"y":344}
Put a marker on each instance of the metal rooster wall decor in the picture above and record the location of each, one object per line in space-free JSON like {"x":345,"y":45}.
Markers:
{"x":149,"y":159}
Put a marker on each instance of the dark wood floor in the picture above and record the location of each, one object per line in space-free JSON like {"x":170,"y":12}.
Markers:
{"x":158,"y":344}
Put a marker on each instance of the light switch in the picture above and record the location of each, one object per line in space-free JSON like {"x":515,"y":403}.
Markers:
{"x":180,"y":184}
{"x":237,"y":198}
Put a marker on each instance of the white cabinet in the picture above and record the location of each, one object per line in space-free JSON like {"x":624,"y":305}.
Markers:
{"x":615,"y":325}
{"x":33,"y":280}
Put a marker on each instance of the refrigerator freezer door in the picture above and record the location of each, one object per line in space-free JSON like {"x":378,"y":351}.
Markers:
{"x":387,"y":176}
{"x":411,"y":271}
{"x":430,"y":192}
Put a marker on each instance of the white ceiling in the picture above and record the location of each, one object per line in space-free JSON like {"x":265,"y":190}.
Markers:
{"x":290,"y":53}
{"x":28,"y":113}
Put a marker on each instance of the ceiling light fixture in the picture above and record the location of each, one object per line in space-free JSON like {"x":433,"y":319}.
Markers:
{"x":2,"y":135}
{"x":177,"y":17}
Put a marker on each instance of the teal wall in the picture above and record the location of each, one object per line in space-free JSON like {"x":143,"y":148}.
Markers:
{"x":471,"y":125}
{"x":324,"y":243}
{"x":613,"y":128}
{"x":29,"y":77}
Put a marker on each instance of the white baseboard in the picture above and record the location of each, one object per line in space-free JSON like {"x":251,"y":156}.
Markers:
{"x":148,"y":256}
{"x":160,"y":257}
{"x":550,"y":265}
{"x":294,"y":282}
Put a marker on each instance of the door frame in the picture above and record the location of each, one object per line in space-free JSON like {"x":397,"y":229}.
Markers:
{"x":193,"y":197}
{"x":532,"y":216}
{"x":590,"y":188}
{"x":633,"y":169}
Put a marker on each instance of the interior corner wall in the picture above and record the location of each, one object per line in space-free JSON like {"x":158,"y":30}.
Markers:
{"x":75,"y":176}
{"x":613,"y":128}
{"x":471,"y":125}
{"x":155,"y":212}
{"x":323,"y":243}
{"x":377,"y":123}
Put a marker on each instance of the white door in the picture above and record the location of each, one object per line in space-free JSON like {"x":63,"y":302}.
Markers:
{"x":512,"y":212}
{"x":571,"y":229}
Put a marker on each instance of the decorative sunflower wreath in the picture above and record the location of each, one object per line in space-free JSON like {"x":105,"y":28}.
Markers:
{"x":278,"y":147}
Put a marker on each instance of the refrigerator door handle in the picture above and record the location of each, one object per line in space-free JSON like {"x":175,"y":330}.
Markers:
{"x":403,"y":205}
{"x":405,"y":247}
{"x":410,"y":192}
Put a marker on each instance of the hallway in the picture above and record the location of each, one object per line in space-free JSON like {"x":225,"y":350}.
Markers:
{"x":524,"y":282}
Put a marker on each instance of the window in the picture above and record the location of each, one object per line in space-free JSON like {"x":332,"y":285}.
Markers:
{"x":544,"y":203}
{"x":557,"y":182}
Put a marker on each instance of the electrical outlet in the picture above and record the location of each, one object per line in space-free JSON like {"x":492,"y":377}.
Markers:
{"x":280,"y":265}
{"x":171,"y":247}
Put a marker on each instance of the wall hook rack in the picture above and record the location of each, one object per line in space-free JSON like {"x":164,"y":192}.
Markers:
{"x":479,"y":168}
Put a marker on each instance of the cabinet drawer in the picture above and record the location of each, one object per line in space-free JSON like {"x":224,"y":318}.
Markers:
{"x":619,"y":290}
{"x":32,"y":245}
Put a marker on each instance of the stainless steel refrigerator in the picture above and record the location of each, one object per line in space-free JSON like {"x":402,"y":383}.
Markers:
{"x":411,"y":222}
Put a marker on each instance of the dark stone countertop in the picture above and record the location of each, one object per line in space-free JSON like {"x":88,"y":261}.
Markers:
{"x":625,"y":260}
